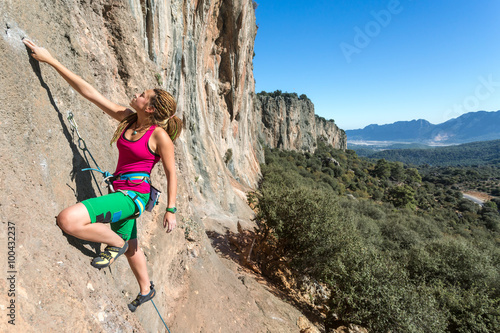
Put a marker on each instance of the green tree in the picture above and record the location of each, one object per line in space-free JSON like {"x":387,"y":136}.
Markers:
{"x":397,"y":172}
{"x":412,"y":176}
{"x":382,"y":169}
{"x":402,"y":196}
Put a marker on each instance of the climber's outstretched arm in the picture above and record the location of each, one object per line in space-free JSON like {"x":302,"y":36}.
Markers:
{"x":80,"y":85}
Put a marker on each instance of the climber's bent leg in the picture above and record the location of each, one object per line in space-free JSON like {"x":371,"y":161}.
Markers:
{"x":75,"y":220}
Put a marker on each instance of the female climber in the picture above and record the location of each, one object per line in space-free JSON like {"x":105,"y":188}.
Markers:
{"x":143,"y":138}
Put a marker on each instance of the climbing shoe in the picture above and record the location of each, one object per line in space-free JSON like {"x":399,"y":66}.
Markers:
{"x":140,"y":299}
{"x":109,"y":255}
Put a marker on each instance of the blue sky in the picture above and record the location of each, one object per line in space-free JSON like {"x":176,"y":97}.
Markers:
{"x":376,"y":62}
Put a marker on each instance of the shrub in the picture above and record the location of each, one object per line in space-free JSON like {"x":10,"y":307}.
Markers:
{"x":158,"y":79}
{"x":469,"y":310}
{"x":391,"y":266}
{"x":228,"y":156}
{"x":373,"y":291}
{"x":451,"y":261}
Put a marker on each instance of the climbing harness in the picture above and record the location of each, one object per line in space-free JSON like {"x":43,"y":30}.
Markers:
{"x":135,"y":178}
{"x":160,"y":316}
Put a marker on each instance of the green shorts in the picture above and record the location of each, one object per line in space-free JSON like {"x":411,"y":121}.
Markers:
{"x":117,"y":209}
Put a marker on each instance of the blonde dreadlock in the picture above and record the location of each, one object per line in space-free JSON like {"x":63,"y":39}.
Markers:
{"x":163,"y":116}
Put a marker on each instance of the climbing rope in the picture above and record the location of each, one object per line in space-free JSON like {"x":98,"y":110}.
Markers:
{"x":83,"y":146}
{"x":160,"y":316}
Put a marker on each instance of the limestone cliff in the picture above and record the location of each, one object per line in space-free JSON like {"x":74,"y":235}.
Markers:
{"x":289,"y":122}
{"x":201,"y":51}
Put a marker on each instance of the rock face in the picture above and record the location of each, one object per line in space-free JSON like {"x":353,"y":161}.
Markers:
{"x":199,"y":50}
{"x":289,"y":122}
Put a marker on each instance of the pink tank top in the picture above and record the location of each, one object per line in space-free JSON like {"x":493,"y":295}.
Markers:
{"x":134,"y":156}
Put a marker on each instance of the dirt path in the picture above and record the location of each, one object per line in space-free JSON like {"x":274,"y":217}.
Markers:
{"x":478,"y":197}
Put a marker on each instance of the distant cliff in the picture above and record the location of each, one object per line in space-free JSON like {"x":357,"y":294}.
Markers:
{"x":289,"y":122}
{"x":469,"y":127}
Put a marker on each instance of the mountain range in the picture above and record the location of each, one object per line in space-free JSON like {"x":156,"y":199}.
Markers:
{"x":469,"y":127}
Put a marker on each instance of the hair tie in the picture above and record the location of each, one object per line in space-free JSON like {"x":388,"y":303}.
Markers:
{"x":171,"y":116}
